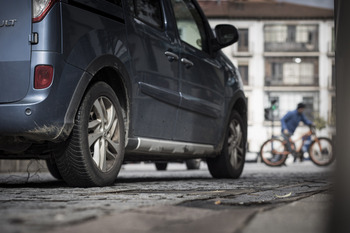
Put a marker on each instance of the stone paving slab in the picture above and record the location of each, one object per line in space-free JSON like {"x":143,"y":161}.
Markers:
{"x":170,"y":219}
{"x":309,"y":215}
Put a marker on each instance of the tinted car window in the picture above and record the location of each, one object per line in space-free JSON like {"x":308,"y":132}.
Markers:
{"x":149,"y":11}
{"x":190,"y":24}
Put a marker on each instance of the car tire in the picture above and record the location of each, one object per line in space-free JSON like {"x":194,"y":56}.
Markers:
{"x":193,"y":164}
{"x":161,"y":166}
{"x":52,"y":167}
{"x":230,"y":162}
{"x":94,"y":151}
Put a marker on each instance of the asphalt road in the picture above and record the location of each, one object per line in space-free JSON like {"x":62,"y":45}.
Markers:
{"x":298,"y":196}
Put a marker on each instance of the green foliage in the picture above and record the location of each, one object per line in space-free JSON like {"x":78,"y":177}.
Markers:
{"x":320,"y":122}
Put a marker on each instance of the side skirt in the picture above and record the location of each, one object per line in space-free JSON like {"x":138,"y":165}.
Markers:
{"x":165,"y":149}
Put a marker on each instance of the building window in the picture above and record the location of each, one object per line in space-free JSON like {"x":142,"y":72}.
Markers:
{"x":299,"y":71}
{"x":309,"y":109}
{"x":298,"y":74}
{"x":243,"y":70}
{"x":276,"y":33}
{"x":291,"y":38}
{"x":243,"y":42}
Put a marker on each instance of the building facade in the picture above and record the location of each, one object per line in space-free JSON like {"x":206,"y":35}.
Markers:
{"x":285,"y":55}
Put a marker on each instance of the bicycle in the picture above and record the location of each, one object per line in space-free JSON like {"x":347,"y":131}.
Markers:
{"x":274,"y":151}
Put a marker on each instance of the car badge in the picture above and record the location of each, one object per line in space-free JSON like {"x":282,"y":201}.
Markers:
{"x":7,"y":22}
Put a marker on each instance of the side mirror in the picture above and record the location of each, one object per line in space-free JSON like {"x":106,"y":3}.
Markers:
{"x":226,"y":35}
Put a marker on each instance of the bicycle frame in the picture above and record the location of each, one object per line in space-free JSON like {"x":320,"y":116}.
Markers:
{"x":311,"y":132}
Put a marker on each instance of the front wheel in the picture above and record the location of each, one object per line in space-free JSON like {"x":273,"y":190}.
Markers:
{"x":94,"y":152}
{"x":230,"y":162}
{"x":321,"y":152}
{"x":52,"y":167}
{"x":273,"y":152}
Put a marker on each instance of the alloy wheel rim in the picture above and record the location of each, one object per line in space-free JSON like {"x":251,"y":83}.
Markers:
{"x":235,"y":145}
{"x":103,"y":134}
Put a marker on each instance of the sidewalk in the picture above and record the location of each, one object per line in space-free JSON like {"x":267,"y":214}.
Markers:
{"x":309,"y":215}
{"x":306,"y":215}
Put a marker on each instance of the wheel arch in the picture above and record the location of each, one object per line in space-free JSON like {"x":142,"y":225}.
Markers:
{"x":240,"y":105}
{"x":237,"y":103}
{"x":108,"y":69}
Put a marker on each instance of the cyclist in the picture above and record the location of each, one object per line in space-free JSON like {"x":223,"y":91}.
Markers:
{"x":290,"y":122}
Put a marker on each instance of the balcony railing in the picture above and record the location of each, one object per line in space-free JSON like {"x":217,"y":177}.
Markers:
{"x":290,"y":47}
{"x":291,"y":81}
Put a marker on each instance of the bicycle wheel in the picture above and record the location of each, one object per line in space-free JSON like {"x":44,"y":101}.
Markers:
{"x":273,"y":152}
{"x":321,"y":152}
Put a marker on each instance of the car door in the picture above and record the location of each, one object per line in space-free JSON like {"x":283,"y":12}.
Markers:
{"x":154,"y":51}
{"x":201,"y":110}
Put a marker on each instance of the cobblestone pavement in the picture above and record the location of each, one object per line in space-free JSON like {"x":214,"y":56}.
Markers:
{"x":36,"y":202}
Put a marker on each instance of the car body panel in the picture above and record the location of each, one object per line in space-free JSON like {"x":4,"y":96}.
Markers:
{"x":15,"y":49}
{"x":203,"y":103}
{"x":153,"y":74}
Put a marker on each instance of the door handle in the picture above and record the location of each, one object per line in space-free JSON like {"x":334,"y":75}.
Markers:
{"x":171,"y":56}
{"x":188,"y":64}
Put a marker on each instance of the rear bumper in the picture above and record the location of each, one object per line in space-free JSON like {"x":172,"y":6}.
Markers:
{"x":39,"y":121}
{"x":47,"y":114}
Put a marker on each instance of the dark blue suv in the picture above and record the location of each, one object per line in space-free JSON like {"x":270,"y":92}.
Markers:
{"x":90,"y":84}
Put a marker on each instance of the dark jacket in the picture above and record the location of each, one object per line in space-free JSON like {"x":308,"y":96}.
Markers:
{"x":291,"y":121}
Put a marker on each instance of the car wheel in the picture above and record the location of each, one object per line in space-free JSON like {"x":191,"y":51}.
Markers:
{"x":193,"y":164}
{"x":52,"y":167}
{"x":161,"y":166}
{"x":94,"y":152}
{"x":230,"y":162}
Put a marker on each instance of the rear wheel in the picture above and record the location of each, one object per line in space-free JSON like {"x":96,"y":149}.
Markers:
{"x":161,"y":166}
{"x":94,"y":152}
{"x":230,"y":162}
{"x":321,"y":152}
{"x":273,"y":152}
{"x":193,"y":164}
